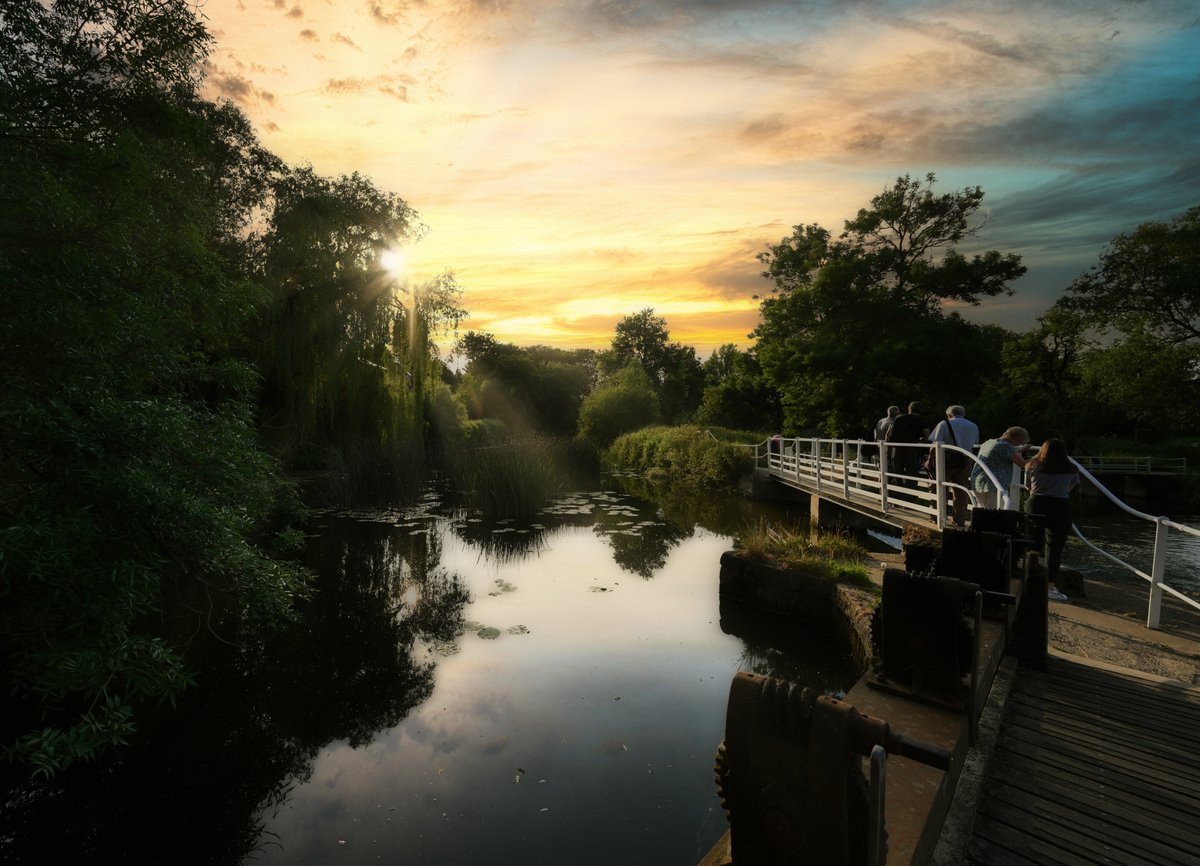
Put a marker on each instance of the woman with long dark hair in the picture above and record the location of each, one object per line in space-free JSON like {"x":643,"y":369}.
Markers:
{"x":1051,"y":478}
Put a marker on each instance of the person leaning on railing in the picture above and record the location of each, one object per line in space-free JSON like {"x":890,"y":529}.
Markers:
{"x":1051,"y":478}
{"x":1000,"y":455}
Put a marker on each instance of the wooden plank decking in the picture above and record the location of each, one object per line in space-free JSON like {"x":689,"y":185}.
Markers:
{"x":1092,"y":765}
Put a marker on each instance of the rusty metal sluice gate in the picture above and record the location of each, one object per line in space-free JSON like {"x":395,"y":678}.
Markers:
{"x":803,"y":776}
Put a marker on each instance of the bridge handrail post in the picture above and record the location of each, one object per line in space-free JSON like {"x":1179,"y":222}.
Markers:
{"x":883,"y":478}
{"x":1157,"y":570}
{"x":846,"y":467}
{"x":816,"y":455}
{"x":939,"y":483}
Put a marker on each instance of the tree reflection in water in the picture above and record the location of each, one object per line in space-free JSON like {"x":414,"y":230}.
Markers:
{"x":193,"y":790}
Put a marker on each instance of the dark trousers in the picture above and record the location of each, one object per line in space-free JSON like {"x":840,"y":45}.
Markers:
{"x":1054,"y":517}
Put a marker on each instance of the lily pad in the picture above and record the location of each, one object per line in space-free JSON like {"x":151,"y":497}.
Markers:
{"x":489,"y":633}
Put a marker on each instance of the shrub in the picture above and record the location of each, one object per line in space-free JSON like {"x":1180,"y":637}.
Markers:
{"x":686,"y":454}
{"x":623,"y":403}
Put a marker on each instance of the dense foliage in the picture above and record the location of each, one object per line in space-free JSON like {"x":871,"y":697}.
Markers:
{"x":621,"y":403}
{"x":136,"y":507}
{"x":686,"y":453}
{"x":857,"y":322}
{"x":159,"y":268}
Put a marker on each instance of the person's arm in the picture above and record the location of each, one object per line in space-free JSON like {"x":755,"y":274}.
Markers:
{"x":1017,"y":458}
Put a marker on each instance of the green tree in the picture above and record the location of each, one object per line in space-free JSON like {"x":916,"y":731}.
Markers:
{"x":856,"y":323}
{"x":673,"y":369}
{"x":620,"y":404}
{"x":1142,"y":302}
{"x":537,"y":389}
{"x":1145,"y":283}
{"x":348,"y":349}
{"x":737,"y":394}
{"x":138,"y":513}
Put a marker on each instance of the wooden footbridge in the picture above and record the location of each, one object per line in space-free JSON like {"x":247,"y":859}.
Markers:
{"x":1091,"y":765}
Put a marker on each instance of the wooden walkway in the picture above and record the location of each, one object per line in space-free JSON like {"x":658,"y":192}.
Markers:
{"x":1092,"y":766}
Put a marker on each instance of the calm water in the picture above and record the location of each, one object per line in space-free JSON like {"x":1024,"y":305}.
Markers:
{"x":1132,"y":540}
{"x":572,"y":718}
{"x":461,"y":692}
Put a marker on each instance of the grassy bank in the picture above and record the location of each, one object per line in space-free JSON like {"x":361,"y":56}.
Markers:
{"x":824,"y":555}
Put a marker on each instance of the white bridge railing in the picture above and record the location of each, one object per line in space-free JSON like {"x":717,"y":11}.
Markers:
{"x":857,"y":472}
{"x":1133,"y":465}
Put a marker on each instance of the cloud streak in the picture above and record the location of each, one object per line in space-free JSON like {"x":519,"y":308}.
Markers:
{"x":642,"y":152}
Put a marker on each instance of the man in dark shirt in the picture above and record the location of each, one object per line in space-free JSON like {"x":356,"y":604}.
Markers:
{"x":908,"y":429}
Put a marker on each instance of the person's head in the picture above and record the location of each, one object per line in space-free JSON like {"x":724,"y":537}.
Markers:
{"x":1016,"y":436}
{"x":1052,"y":456}
{"x":915,"y":408}
{"x":893,"y":411}
{"x":955,"y":412}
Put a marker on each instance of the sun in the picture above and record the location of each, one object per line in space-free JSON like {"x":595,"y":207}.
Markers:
{"x":393,"y":261}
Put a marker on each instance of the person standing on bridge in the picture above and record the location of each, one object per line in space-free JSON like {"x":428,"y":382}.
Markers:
{"x":1000,"y":456}
{"x":882,"y":426}
{"x":907,"y":431}
{"x":957,"y":430}
{"x":1051,"y":478}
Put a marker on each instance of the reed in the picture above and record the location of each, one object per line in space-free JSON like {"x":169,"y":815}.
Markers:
{"x":516,"y":478}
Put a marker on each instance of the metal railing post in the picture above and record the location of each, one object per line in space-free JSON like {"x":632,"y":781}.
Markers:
{"x":816,"y":455}
{"x":883,"y":478}
{"x":939,"y":483}
{"x":1157,"y":569}
{"x":846,"y":468}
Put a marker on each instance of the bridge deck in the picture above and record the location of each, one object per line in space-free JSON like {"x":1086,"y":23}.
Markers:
{"x":1092,"y":765}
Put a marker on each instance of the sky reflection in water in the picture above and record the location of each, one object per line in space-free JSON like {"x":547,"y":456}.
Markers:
{"x":583,"y":732}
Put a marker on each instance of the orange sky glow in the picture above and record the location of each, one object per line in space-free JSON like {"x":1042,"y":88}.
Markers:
{"x":577,"y":162}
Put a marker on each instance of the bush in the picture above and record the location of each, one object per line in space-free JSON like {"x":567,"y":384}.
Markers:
{"x":686,"y":454}
{"x":623,"y":403}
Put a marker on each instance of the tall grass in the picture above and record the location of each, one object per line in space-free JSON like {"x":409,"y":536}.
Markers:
{"x":515,"y":479}
{"x":686,"y":454}
{"x":826,"y":555}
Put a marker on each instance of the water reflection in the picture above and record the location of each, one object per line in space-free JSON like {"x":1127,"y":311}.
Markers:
{"x":575,"y":715}
{"x":193,"y":788}
{"x":457,"y":690}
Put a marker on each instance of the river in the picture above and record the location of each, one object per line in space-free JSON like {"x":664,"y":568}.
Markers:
{"x":459,"y":692}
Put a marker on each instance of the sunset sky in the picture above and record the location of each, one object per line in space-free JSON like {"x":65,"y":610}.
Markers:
{"x":578,"y":161}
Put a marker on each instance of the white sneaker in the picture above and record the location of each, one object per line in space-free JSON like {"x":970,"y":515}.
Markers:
{"x":1057,"y":595}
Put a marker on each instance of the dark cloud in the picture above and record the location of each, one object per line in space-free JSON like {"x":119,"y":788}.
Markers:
{"x":764,"y":129}
{"x":345,"y":40}
{"x":295,"y":12}
{"x":736,"y":271}
{"x":309,"y":35}
{"x":237,"y":88}
{"x":388,"y":14}
{"x":394,"y":86}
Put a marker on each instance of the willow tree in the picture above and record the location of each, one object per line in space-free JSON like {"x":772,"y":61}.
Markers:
{"x":860,"y":321}
{"x":347,"y":345}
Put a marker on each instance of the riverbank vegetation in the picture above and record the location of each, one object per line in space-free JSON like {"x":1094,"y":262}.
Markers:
{"x":821,"y":554}
{"x":687,"y":454}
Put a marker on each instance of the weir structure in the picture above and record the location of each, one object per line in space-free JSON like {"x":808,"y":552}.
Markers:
{"x":959,"y":643}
